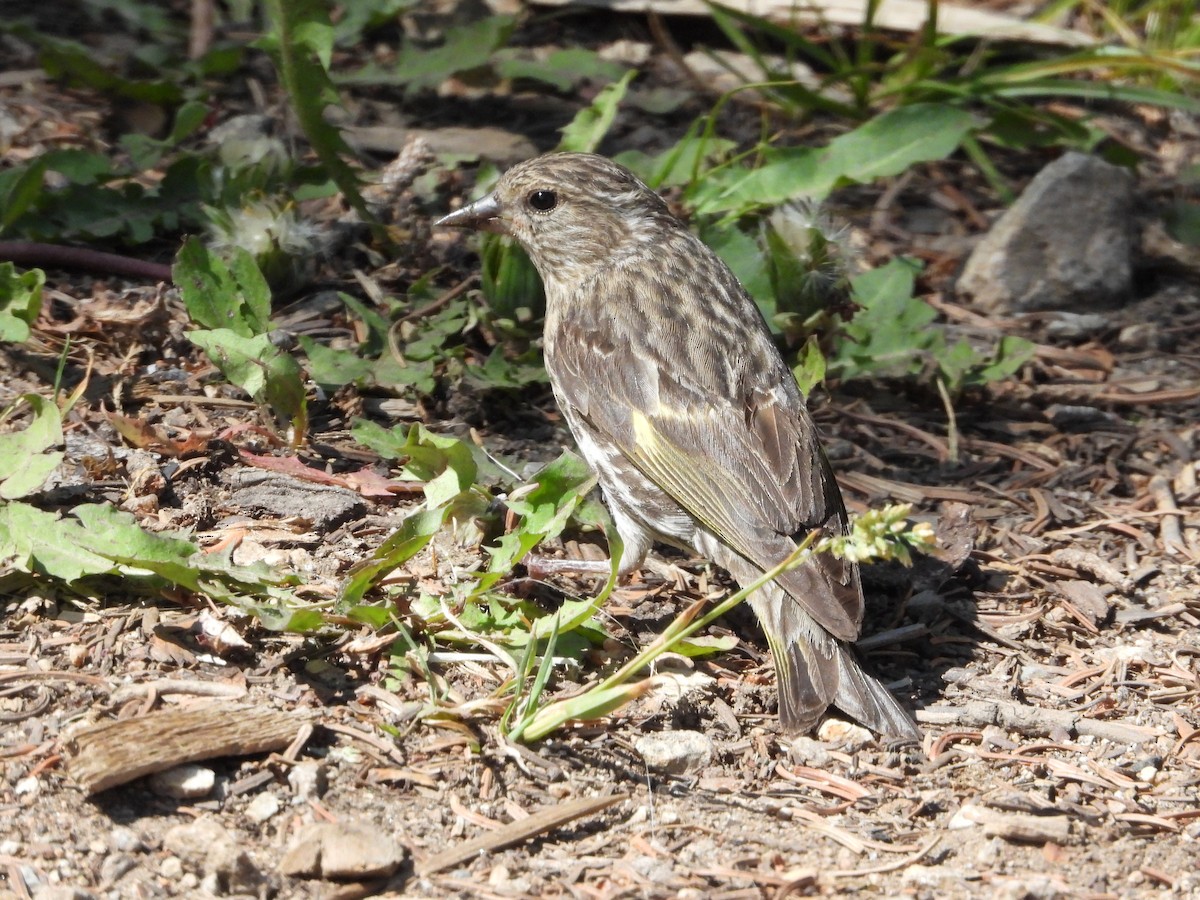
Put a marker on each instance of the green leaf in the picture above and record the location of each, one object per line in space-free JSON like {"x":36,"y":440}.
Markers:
{"x":509,"y":281}
{"x":1011,"y":354}
{"x":20,"y":188}
{"x":886,"y":145}
{"x":890,"y":143}
{"x":27,"y":457}
{"x":269,"y":375}
{"x":234,"y":297}
{"x":678,"y":165}
{"x":465,"y":47}
{"x":585,"y":132}
{"x":301,"y":45}
{"x":254,"y":290}
{"x":116,"y":535}
{"x":20,"y":301}
{"x":77,"y":64}
{"x":810,"y":370}
{"x":410,"y":538}
{"x":44,"y":544}
{"x":331,"y":369}
{"x":562,"y":69}
{"x":427,"y":455}
{"x":545,"y":509}
{"x":890,"y":335}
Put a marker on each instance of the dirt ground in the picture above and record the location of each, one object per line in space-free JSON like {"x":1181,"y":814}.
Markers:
{"x":1051,"y":652}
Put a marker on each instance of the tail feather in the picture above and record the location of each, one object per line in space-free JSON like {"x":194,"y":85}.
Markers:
{"x":814,"y":669}
{"x":864,"y":698}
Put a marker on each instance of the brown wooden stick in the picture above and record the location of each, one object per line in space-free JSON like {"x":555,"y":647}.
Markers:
{"x":514,"y":833}
{"x":112,"y":753}
{"x":57,"y":256}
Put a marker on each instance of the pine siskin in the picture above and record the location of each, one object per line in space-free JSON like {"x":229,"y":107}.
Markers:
{"x":667,"y":375}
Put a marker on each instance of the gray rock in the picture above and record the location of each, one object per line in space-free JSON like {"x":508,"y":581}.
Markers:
{"x":114,"y":866}
{"x":344,"y":851}
{"x":262,"y":808}
{"x":675,"y":752}
{"x":273,"y":494}
{"x":308,"y":780}
{"x":125,"y":840}
{"x":205,"y":845}
{"x":1065,"y":244}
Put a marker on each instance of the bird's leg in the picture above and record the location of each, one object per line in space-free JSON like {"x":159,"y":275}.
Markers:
{"x":635,"y":540}
{"x":544,"y":566}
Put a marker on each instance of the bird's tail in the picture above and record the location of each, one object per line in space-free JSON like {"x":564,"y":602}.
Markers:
{"x":814,"y":670}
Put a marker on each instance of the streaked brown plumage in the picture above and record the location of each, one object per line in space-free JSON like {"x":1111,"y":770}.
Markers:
{"x":667,"y":375}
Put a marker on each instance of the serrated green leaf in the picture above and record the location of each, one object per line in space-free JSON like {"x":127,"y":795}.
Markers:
{"x":27,"y":457}
{"x":585,"y":132}
{"x":810,"y":369}
{"x":44,"y":544}
{"x":330,"y":368}
{"x":20,"y":301}
{"x":20,"y":188}
{"x":220,"y":296}
{"x":270,"y":375}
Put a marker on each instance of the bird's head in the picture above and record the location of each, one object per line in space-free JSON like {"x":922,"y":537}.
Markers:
{"x":570,"y":211}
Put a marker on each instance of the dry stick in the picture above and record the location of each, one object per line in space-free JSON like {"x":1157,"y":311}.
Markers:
{"x":951,"y":421}
{"x":1171,"y":396}
{"x":56,"y":256}
{"x":393,"y":335}
{"x":658,"y":29}
{"x":1032,"y":720}
{"x":545,"y":820}
{"x":223,"y":690}
{"x":886,"y":867}
{"x":1164,"y":500}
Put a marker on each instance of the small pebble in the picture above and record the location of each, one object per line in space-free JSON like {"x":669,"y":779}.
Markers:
{"x":185,"y":782}
{"x":27,"y":787}
{"x":308,"y":781}
{"x":262,"y":807}
{"x":845,"y":735}
{"x":675,"y":752}
{"x":124,"y":839}
{"x":807,"y":752}
{"x":171,"y":868}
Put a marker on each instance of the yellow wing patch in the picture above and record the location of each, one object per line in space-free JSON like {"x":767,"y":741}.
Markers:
{"x":700,"y":489}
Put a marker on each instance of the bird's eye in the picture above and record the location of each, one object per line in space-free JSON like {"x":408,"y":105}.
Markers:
{"x":543,"y":201}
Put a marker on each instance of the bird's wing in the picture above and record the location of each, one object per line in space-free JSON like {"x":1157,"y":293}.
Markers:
{"x":743,"y":459}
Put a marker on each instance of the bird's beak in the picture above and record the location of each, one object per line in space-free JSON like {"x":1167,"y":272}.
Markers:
{"x":482,"y":215}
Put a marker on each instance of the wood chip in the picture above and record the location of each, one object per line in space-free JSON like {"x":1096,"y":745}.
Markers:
{"x":515,"y":832}
{"x":1025,"y":829}
{"x":1032,"y":720}
{"x":103,"y":756}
